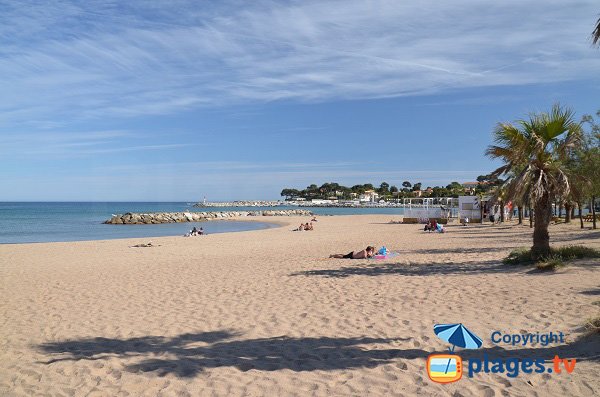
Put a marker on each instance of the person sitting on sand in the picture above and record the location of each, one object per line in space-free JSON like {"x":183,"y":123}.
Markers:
{"x":434,"y":225}
{"x":309,"y":226}
{"x":299,"y":228}
{"x":427,"y":227}
{"x":363,"y":254}
{"x":194,"y":231}
{"x":200,"y":232}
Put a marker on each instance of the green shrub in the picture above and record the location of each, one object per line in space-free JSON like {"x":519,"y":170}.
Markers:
{"x":576,"y":252}
{"x":550,"y":264}
{"x":521,"y":256}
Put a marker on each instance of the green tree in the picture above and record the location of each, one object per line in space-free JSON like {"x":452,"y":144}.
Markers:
{"x":384,"y":188}
{"x":416,"y":186}
{"x":288,"y":193}
{"x":542,"y":142}
{"x":589,"y":164}
{"x":359,"y":189}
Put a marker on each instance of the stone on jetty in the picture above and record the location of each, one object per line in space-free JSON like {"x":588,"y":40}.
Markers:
{"x":176,"y":217}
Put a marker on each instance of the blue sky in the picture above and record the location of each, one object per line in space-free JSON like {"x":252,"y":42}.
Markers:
{"x":177,"y":100}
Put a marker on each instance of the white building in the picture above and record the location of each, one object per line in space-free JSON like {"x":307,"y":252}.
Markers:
{"x":369,"y":196}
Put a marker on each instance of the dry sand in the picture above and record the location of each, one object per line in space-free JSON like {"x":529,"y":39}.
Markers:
{"x":265,"y":313}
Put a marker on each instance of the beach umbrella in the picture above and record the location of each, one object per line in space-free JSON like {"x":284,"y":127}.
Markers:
{"x":457,"y":335}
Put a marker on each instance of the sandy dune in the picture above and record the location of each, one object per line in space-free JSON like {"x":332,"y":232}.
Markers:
{"x":265,"y":313}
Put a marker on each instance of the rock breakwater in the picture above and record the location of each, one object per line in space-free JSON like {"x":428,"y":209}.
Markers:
{"x":131,"y":218}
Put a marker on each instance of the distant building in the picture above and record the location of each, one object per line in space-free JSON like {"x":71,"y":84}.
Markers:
{"x":369,"y":196}
{"x":321,"y":201}
{"x":470,"y":187}
{"x":417,"y":193}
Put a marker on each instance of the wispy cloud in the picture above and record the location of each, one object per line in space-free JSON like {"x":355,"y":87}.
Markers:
{"x":77,"y":144}
{"x":94,"y":59}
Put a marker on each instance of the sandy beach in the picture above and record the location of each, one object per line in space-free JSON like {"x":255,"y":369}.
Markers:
{"x":266,"y":313}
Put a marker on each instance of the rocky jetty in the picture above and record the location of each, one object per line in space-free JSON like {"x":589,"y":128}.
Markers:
{"x":177,"y":217}
{"x":246,"y":203}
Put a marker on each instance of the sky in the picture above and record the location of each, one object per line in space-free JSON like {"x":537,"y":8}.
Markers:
{"x":180,"y":100}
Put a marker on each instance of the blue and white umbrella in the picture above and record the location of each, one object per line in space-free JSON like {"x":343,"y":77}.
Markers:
{"x":457,"y":335}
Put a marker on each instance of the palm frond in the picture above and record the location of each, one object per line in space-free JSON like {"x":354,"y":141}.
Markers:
{"x":596,"y":33}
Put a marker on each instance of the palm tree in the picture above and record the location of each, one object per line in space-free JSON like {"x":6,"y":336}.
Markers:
{"x":534,"y":152}
{"x":596,"y":33}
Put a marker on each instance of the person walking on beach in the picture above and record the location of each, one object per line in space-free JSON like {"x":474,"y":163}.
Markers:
{"x":363,"y":254}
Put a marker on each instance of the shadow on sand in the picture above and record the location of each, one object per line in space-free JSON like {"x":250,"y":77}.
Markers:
{"x":189,"y":354}
{"x":421,"y":269}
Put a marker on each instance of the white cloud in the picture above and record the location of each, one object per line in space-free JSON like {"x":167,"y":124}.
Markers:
{"x":101,"y":59}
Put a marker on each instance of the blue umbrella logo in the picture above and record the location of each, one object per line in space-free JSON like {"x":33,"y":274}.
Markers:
{"x":457,"y":335}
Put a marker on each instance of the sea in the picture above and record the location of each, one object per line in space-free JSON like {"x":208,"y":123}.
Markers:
{"x":31,"y":222}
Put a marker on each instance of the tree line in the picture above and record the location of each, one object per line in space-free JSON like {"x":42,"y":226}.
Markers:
{"x":389,"y":192}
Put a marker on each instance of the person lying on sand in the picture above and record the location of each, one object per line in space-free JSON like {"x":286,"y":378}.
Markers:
{"x":299,"y":228}
{"x":366,"y":253}
{"x":314,"y":219}
{"x":143,"y":245}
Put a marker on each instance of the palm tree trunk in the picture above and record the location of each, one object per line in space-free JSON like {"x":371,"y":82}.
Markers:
{"x":502,"y":211}
{"x":580,"y":214}
{"x":593,"y":212}
{"x":481,"y":208}
{"x":520,"y":212}
{"x":531,"y":215}
{"x":541,"y":238}
{"x":560,"y":208}
{"x":567,"y":212}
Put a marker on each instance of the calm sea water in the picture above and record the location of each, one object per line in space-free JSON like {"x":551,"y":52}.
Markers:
{"x":46,"y":222}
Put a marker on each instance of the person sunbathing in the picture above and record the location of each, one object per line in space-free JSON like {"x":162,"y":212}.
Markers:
{"x":363,"y":254}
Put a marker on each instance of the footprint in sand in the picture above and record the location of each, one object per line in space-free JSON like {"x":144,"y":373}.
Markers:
{"x":505,"y":382}
{"x":486,"y":391}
